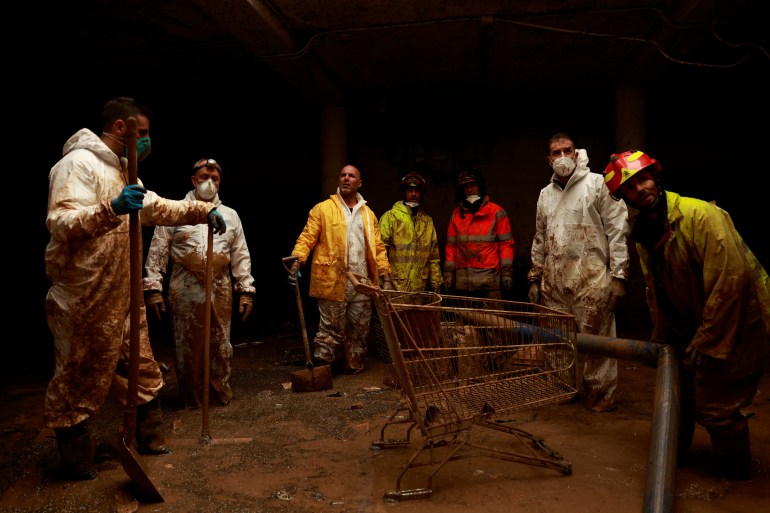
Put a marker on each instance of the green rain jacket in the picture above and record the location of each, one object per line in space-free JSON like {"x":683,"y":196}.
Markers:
{"x":412,"y":248}
{"x":708,"y":287}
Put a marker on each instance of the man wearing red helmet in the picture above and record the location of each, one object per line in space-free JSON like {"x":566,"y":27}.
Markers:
{"x":580,"y":258}
{"x":709,"y":299}
{"x":410,"y":236}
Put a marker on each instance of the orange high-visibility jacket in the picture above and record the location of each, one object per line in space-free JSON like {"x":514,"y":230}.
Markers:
{"x":479,"y":246}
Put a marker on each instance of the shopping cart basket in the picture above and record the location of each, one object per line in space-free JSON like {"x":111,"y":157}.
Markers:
{"x":462,"y":362}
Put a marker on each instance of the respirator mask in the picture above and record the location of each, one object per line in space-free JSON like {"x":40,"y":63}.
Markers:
{"x":206,"y":190}
{"x":563,"y":166}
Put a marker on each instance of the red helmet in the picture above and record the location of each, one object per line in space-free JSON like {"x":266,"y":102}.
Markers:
{"x":624,"y":166}
{"x":412,"y":180}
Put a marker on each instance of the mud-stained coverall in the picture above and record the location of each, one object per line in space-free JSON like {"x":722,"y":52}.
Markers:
{"x":579,"y":246}
{"x":186,"y":247}
{"x":412,"y":245}
{"x":87,"y":262}
{"x":342,"y":241}
{"x":479,"y":248}
{"x":707,"y":289}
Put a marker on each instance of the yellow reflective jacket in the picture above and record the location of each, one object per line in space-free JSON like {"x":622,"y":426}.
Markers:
{"x":412,"y":245}
{"x":325,"y":234}
{"x":709,"y":288}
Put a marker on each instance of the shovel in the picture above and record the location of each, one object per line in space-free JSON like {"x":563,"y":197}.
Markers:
{"x":129,"y":457}
{"x":312,"y":378}
{"x":205,"y":436}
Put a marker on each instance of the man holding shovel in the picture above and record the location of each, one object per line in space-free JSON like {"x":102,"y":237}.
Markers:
{"x":186,"y":247}
{"x":344,"y":235}
{"x":87,"y":262}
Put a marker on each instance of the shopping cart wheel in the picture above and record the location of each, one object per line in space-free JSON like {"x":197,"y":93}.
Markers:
{"x":388,"y":444}
{"x":415,"y":493}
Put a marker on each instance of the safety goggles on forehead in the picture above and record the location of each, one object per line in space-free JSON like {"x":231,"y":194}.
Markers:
{"x":210,"y":163}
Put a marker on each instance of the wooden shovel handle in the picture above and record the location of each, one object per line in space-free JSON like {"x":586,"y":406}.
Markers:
{"x":205,"y":435}
{"x":135,"y":278}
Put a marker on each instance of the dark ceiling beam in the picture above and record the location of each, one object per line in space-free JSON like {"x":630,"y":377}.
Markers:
{"x":245,"y":19}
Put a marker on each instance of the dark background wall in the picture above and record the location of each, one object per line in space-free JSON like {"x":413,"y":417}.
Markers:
{"x":701,"y":125}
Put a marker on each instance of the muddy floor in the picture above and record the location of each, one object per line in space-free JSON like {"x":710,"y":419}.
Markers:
{"x":275,"y":450}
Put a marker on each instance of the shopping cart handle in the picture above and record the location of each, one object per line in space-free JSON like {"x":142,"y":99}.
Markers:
{"x":361,"y":287}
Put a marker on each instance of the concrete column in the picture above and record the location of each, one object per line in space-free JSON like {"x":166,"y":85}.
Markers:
{"x":334,"y":146}
{"x":630,"y":134}
{"x":630,"y":120}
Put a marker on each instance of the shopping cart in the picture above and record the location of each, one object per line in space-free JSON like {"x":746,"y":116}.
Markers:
{"x":461,"y":363}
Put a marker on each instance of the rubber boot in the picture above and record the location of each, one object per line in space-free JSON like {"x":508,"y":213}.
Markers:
{"x":150,"y":431}
{"x":77,"y":452}
{"x":732,"y":449}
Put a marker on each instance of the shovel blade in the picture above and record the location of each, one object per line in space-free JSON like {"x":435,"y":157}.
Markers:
{"x":134,"y":467}
{"x":311,"y":379}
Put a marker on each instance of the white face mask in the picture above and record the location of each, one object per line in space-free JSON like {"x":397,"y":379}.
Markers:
{"x":473,"y":198}
{"x":206,"y":190}
{"x":563,"y":166}
{"x":412,"y":204}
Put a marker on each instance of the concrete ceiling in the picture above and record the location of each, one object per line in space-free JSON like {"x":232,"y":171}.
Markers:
{"x":333,"y":51}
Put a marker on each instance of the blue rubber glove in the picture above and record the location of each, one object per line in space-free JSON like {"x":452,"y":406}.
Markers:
{"x":217,"y":222}
{"x":129,"y":200}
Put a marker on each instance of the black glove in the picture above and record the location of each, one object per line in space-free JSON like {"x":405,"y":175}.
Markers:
{"x":694,"y":359}
{"x":153,"y":300}
{"x":617,"y":291}
{"x":534,"y":292}
{"x":507,"y":278}
{"x":387,"y":284}
{"x":245,"y":304}
{"x":293,"y":274}
{"x":449,"y":280}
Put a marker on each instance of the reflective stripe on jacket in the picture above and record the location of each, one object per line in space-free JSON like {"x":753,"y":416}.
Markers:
{"x":412,"y":245}
{"x":478,"y":246}
{"x":709,"y":288}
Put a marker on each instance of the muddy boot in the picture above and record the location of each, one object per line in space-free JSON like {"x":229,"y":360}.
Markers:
{"x":150,"y":431}
{"x":77,"y":452}
{"x":733,"y":451}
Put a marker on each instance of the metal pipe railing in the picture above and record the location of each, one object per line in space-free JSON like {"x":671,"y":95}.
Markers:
{"x":660,"y":490}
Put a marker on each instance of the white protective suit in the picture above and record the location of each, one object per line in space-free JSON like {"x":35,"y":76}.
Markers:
{"x":186,"y":247}
{"x":87,"y":262}
{"x":579,"y":246}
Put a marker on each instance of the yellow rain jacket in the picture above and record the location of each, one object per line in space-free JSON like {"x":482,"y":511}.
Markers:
{"x":708,"y":287}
